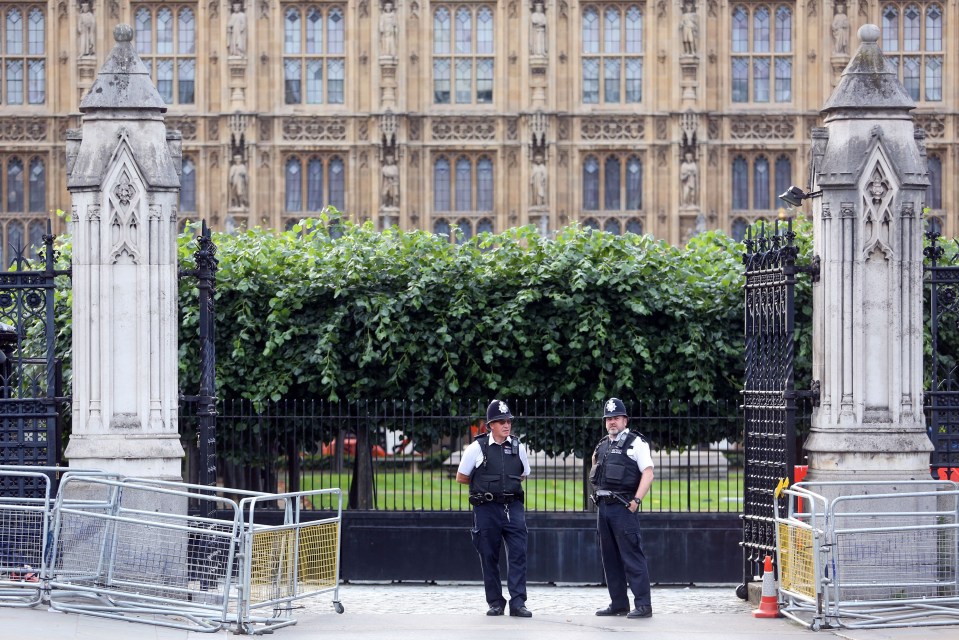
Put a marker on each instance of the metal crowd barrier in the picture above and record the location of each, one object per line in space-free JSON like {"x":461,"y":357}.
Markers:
{"x":128,"y":548}
{"x":885,"y":559}
{"x":26,"y":499}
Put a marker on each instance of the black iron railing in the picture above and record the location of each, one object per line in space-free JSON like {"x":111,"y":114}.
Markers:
{"x":402,"y":456}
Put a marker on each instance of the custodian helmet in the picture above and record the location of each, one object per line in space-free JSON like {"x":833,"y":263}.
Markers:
{"x":497,"y":410}
{"x":614,"y":407}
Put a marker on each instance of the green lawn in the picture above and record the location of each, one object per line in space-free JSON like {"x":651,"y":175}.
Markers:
{"x":404,"y":490}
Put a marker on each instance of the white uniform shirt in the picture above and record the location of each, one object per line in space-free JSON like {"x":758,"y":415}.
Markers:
{"x":473,"y":457}
{"x":638,"y":452}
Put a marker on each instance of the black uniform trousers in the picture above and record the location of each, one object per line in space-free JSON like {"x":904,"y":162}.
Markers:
{"x":624,"y":562}
{"x":493,"y":524}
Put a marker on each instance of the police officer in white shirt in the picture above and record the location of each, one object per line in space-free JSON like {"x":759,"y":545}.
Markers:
{"x":494,"y":466}
{"x":622,"y":475}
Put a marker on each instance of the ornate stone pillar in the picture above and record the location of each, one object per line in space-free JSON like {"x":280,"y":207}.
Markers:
{"x":539,"y":173}
{"x":538,"y":54}
{"x":124,"y":182}
{"x":388,"y":47}
{"x":867,"y":311}
{"x":389,"y":173}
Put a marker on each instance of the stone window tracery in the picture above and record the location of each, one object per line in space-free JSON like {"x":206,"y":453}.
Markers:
{"x":463,"y":190}
{"x":165,"y":37}
{"x":757,"y":181}
{"x":463,"y":48}
{"x":912,"y":41}
{"x":23,"y":77}
{"x":612,"y":54}
{"x":23,"y":208}
{"x":761,"y":53}
{"x":314,"y":63}
{"x":313,"y":183}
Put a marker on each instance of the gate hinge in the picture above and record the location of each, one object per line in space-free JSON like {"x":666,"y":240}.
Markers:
{"x":812,"y":268}
{"x":812,"y":392}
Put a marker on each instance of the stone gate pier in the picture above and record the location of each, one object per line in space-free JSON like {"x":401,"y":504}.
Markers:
{"x":124,"y":181}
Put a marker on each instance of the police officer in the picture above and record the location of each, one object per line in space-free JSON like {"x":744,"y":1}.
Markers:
{"x":494,"y":466}
{"x":622,"y":475}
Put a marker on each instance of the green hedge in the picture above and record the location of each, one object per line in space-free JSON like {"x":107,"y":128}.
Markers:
{"x":363,"y":314}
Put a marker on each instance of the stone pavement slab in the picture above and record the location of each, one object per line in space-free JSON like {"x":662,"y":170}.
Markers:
{"x":457,"y":612}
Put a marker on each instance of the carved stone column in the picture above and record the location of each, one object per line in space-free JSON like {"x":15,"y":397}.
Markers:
{"x":389,"y":192}
{"x":539,"y":182}
{"x":124,"y":184}
{"x":538,"y":54}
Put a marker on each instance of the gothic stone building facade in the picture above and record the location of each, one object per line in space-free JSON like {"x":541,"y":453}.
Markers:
{"x":659,"y":116}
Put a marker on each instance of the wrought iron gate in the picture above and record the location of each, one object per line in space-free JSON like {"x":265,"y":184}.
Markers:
{"x":204,"y":409}
{"x":769,"y":392}
{"x":30,"y":375}
{"x":942,"y":396}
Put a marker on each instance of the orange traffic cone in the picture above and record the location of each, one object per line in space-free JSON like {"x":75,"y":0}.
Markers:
{"x":769,"y":603}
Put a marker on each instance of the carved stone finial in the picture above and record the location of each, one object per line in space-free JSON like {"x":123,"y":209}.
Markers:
{"x":123,"y":33}
{"x":869,"y":33}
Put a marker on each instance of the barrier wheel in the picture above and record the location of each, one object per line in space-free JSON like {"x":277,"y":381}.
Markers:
{"x":742,"y":592}
{"x":816,"y":625}
{"x":338,"y":607}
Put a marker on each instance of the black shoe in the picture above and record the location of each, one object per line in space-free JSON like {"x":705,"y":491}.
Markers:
{"x":609,"y":611}
{"x":495,"y":611}
{"x":641,"y":611}
{"x":521,"y":612}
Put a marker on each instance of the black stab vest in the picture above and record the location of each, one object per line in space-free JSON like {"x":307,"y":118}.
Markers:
{"x":616,"y":471}
{"x":501,"y":472}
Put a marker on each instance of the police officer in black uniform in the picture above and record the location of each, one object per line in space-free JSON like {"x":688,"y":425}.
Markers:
{"x":494,"y":466}
{"x":622,"y":474}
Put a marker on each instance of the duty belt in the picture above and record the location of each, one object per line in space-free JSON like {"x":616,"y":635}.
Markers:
{"x":608,"y":497}
{"x":501,"y":498}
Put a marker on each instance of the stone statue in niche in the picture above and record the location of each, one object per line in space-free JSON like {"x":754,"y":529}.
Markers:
{"x":689,"y":176}
{"x":390,"y":183}
{"x":388,"y":30}
{"x":539,"y":181}
{"x":840,"y":30}
{"x":239,"y":183}
{"x":86,"y":30}
{"x":689,"y":28}
{"x":537,"y":30}
{"x":236,"y":30}
{"x":700,"y":224}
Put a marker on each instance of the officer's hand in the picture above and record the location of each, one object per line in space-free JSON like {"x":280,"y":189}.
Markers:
{"x":633,"y":507}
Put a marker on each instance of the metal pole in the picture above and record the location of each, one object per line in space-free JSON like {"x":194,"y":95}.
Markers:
{"x":206,"y":265}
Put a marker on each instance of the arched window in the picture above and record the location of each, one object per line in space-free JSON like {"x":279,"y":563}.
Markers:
{"x":484,"y":225}
{"x":761,"y":183}
{"x":591,"y":223}
{"x":313,"y":52}
{"x":761,"y":43}
{"x":634,"y":225}
{"x":314,"y":185}
{"x":441,"y":227}
{"x":464,"y":186}
{"x":612,"y":226}
{"x":441,"y":185}
{"x":611,"y":186}
{"x":912,"y":41}
{"x":188,"y":186}
{"x":294,"y":201}
{"x":15,"y":187}
{"x":783,"y":176}
{"x":934,"y":190}
{"x":740,"y":183}
{"x":739,"y":229}
{"x":591,"y":184}
{"x":484,"y":185}
{"x":337,"y":181}
{"x":166,"y":41}
{"x":612,"y":55}
{"x":634,"y":184}
{"x":463,"y":54}
{"x":465,"y":228}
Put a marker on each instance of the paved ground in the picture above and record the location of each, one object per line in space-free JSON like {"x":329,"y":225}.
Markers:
{"x":456,"y":612}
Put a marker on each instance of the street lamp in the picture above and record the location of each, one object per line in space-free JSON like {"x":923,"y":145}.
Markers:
{"x":793,"y":196}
